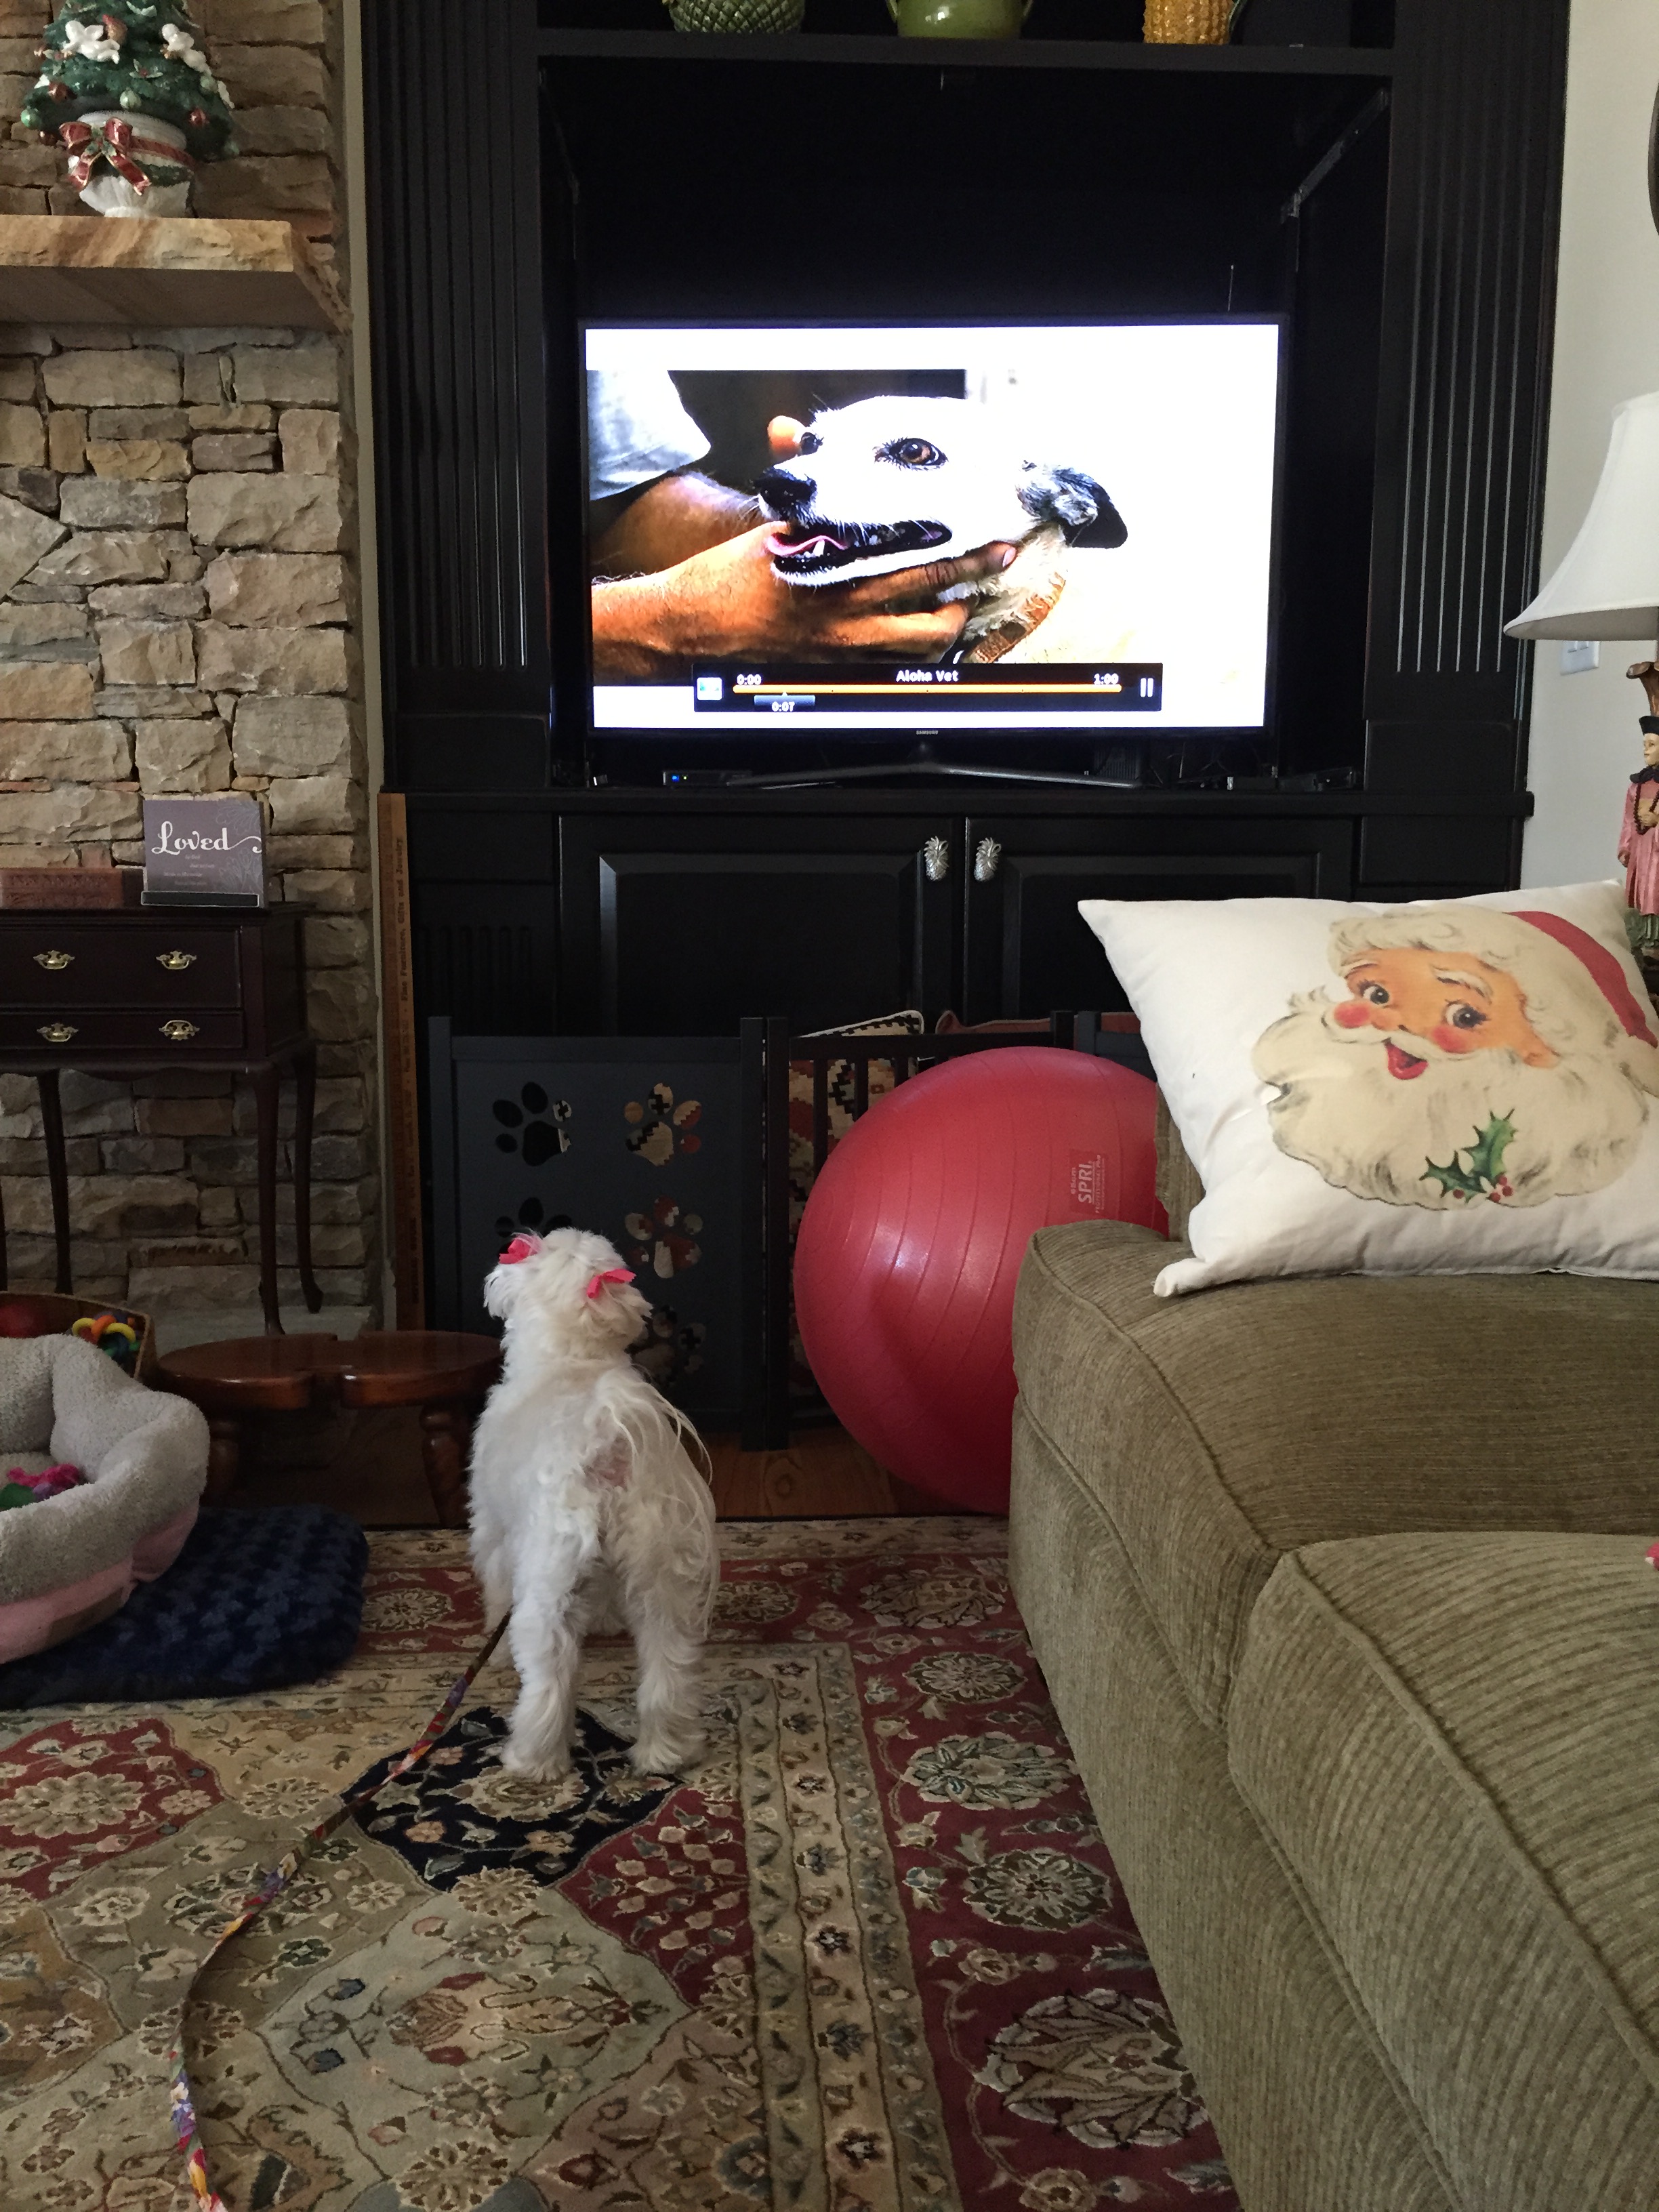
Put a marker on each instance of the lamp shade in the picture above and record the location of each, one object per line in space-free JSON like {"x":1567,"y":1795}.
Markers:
{"x":1608,"y":584}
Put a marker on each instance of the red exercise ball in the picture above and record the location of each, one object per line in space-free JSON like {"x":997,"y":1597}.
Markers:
{"x":914,"y":1232}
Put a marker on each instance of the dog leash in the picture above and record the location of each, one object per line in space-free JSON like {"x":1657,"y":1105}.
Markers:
{"x":185,"y":2127}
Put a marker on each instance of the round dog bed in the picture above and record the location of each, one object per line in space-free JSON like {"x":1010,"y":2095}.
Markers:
{"x":70,"y":1561}
{"x":254,"y":1600}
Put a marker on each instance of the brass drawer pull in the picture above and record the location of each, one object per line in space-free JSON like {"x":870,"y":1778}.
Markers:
{"x":178,"y":1032}
{"x":56,"y":1032}
{"x":175,"y":963}
{"x":54,"y":960}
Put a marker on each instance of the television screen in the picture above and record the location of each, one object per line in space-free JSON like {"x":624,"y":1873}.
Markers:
{"x":1016,"y":528}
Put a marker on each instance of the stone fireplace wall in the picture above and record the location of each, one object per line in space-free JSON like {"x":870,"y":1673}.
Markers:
{"x":178,"y":613}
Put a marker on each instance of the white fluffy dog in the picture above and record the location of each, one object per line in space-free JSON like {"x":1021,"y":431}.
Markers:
{"x":892,"y":484}
{"x":586,"y":1507}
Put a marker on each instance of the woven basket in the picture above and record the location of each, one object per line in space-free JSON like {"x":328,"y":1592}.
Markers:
{"x":1186,"y":23}
{"x":64,"y":1307}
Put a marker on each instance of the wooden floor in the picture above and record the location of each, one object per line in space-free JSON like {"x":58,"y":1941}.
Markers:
{"x":369,"y":1465}
{"x":822,"y":1474}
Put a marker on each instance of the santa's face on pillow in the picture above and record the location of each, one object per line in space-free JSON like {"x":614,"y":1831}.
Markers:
{"x":1459,"y":1005}
{"x":1472,"y":1054}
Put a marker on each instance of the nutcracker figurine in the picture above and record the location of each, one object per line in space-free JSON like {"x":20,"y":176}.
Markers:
{"x":1638,"y":836}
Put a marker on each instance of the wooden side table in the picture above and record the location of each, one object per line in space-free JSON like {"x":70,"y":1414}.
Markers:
{"x":135,"y":990}
{"x":446,"y":1372}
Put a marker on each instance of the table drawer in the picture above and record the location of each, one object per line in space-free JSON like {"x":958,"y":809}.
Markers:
{"x":70,"y":964}
{"x":70,"y":1031}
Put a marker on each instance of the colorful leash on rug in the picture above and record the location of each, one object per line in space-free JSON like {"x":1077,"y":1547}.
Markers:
{"x":184,"y":2126}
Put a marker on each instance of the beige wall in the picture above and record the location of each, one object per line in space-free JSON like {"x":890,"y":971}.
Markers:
{"x":1584,"y":739}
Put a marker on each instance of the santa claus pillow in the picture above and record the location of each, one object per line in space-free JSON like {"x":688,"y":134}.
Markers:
{"x":1451,"y":1087}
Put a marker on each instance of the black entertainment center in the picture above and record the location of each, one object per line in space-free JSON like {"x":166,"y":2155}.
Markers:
{"x":1393,"y":199}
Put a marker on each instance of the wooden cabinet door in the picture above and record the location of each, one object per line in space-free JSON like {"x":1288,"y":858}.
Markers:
{"x":483,"y":903}
{"x":682,"y":927}
{"x":1027,"y":950}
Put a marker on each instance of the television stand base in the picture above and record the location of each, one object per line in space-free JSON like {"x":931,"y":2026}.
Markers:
{"x":803,"y":779}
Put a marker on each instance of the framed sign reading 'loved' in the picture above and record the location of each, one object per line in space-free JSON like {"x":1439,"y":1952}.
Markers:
{"x":204,"y":852}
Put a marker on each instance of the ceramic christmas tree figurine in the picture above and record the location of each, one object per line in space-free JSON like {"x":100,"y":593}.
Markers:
{"x":130,"y":96}
{"x":1639,"y":835}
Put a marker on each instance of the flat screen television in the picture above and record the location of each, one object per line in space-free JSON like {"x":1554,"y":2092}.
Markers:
{"x":1023,"y":529}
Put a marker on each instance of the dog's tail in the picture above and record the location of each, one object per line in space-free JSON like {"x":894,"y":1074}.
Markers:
{"x":691,"y":1441}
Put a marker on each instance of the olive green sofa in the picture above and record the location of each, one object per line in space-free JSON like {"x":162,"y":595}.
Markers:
{"x":1339,"y":1587}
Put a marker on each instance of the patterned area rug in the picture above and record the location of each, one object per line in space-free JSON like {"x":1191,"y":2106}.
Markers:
{"x":869,"y":1957}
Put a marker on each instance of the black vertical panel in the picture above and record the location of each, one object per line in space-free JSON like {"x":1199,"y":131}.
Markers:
{"x":1468,"y":299}
{"x":453,"y":164}
{"x":1335,"y":244}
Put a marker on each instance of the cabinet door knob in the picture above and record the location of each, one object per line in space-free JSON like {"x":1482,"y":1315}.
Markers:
{"x":936,"y":859}
{"x":56,"y":1032}
{"x":175,"y":963}
{"x":176,"y":1032}
{"x":54,"y":961}
{"x":986,"y":855}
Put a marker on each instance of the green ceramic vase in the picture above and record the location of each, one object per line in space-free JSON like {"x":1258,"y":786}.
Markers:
{"x":958,"y":19}
{"x":747,"y":16}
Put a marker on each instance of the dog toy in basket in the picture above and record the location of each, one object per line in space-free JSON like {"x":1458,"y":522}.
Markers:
{"x":112,"y":1334}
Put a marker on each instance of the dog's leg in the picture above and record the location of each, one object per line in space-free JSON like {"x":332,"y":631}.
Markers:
{"x":668,"y":1639}
{"x":491,"y":1545}
{"x":545,"y":1636}
{"x":494,"y":1569}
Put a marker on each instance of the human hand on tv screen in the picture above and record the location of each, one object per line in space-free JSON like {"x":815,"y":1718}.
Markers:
{"x":728,"y":603}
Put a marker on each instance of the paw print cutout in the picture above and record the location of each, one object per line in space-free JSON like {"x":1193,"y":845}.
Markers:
{"x":670,"y":1349}
{"x":661,"y":1128}
{"x":530,"y":1217}
{"x":665,"y":1235}
{"x":524,"y":1130}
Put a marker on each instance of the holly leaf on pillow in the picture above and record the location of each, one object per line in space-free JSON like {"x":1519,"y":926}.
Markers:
{"x":1484,"y":1176}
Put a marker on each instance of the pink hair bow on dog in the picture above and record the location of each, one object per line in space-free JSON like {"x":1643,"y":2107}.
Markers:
{"x":522,"y":1247}
{"x":610,"y":1275}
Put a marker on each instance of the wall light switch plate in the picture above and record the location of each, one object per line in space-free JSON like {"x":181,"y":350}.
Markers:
{"x":1579,"y":654}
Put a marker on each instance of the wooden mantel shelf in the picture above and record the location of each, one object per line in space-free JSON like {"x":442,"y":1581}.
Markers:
{"x":167,"y":272}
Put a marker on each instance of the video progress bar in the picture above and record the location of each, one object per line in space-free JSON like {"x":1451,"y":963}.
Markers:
{"x":922,"y":691}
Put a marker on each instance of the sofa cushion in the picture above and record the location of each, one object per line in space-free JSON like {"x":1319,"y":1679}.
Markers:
{"x":1222,"y":1431}
{"x":1450,"y":1742}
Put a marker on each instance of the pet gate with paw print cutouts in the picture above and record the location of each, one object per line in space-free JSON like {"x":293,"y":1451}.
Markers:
{"x":654,"y":1142}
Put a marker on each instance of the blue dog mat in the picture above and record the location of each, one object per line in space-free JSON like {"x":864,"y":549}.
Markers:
{"x":253,"y":1601}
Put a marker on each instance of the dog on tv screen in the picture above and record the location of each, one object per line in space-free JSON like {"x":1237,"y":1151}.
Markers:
{"x":893,"y":482}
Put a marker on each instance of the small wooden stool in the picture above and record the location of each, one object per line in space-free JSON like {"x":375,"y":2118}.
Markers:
{"x":444,"y":1372}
